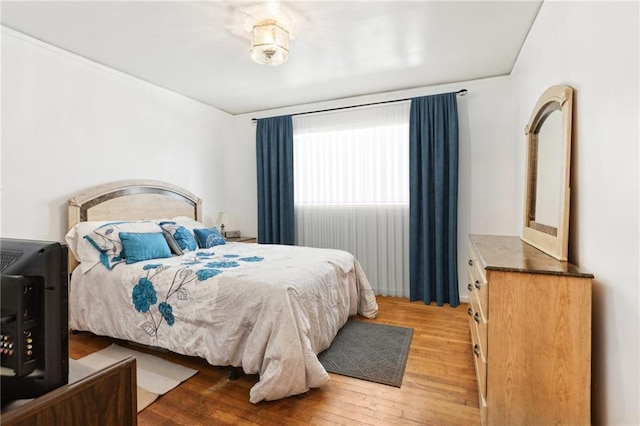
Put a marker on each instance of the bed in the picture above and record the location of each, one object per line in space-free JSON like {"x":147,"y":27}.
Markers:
{"x":268,"y":309}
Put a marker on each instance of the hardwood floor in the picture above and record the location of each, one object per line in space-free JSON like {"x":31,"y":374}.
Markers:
{"x":439,"y":385}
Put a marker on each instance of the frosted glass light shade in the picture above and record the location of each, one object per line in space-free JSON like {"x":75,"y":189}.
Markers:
{"x":222,"y":218}
{"x":269,"y":43}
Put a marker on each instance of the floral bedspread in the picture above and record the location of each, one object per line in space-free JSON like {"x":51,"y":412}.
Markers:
{"x":269,"y":309}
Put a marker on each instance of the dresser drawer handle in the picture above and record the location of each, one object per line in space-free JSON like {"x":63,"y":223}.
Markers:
{"x":470,"y":262}
{"x":477,"y":284}
{"x":470,"y":287}
{"x":469,"y":311}
{"x":476,"y":350}
{"x":476,"y":317}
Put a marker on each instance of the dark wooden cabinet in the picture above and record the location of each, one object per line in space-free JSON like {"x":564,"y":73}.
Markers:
{"x":106,"y":397}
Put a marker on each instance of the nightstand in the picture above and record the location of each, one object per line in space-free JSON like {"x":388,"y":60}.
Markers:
{"x":241,"y":239}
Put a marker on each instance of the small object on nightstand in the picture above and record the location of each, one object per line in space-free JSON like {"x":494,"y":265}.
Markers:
{"x":232,"y":234}
{"x":222,"y":218}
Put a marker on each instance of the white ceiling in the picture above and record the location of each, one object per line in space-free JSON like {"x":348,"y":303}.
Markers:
{"x":341,"y":48}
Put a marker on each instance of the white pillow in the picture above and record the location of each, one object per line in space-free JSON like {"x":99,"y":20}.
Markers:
{"x":99,"y":242}
{"x":188,"y":223}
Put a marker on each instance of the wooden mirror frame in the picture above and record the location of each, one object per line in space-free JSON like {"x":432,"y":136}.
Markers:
{"x":551,"y":240}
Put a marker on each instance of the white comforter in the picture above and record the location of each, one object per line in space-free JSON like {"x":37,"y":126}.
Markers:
{"x":267,"y":308}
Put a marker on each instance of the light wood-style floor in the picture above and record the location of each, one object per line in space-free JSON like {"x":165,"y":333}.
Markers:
{"x":439,"y":385}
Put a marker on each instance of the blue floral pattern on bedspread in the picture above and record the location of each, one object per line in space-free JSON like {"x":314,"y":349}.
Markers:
{"x":197,"y":267}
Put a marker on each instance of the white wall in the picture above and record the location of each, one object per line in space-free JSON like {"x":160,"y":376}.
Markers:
{"x":241,"y":198}
{"x":593,"y":47}
{"x":486,"y":185}
{"x":69,"y":124}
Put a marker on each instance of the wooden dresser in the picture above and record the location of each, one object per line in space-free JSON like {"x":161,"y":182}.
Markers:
{"x":530,"y":323}
{"x":105,"y":398}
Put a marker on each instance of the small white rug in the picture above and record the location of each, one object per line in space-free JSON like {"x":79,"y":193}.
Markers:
{"x":155,"y":376}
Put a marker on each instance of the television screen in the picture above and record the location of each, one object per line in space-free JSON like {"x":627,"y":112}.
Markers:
{"x":34,"y":343}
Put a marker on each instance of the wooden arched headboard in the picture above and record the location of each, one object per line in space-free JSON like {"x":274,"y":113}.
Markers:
{"x":132,"y":200}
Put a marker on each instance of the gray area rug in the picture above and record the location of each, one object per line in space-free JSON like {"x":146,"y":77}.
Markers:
{"x":369,"y":351}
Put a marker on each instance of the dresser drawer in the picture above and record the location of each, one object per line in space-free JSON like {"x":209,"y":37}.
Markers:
{"x":480,"y":362}
{"x":478,"y":325}
{"x":477,"y":284}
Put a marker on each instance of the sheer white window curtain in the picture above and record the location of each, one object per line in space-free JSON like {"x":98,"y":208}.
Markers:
{"x":351,"y":170}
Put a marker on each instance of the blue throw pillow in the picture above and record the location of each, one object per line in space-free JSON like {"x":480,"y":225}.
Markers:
{"x":144,"y":246}
{"x":209,"y":237}
{"x":180,"y":239}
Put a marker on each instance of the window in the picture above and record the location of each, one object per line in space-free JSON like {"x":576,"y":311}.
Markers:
{"x":351,"y":172}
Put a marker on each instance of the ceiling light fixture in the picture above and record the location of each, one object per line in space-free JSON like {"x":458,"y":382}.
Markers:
{"x":269,"y":43}
{"x":271,"y":29}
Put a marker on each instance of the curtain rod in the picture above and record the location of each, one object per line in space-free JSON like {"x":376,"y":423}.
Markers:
{"x":460,"y":92}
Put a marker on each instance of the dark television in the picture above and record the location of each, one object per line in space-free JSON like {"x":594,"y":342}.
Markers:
{"x":34,"y":298}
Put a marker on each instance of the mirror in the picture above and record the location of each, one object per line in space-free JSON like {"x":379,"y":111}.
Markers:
{"x":548,"y":135}
{"x":545,"y":181}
